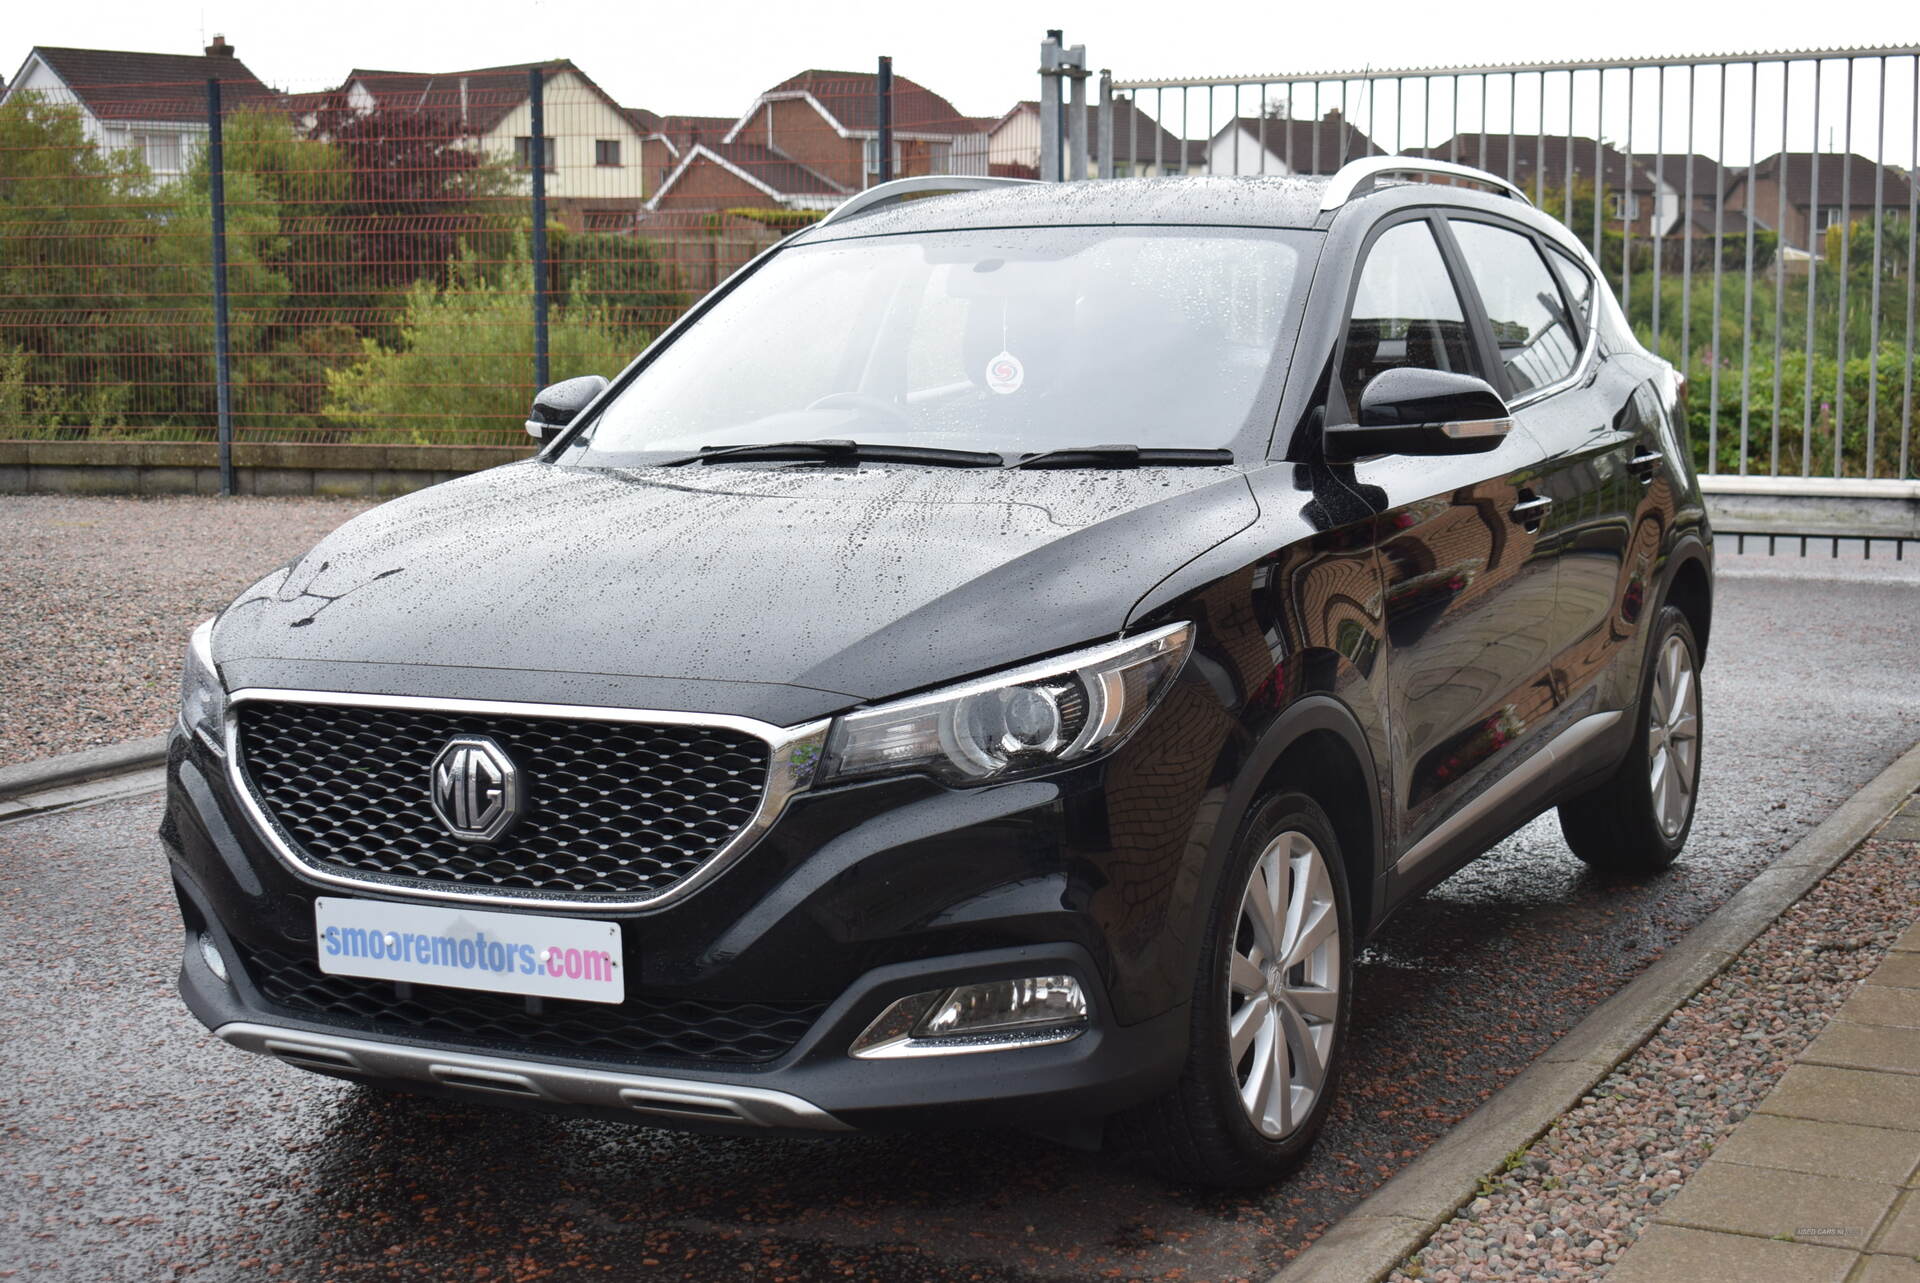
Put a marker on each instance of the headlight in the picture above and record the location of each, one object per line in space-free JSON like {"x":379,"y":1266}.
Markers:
{"x":203,"y":701}
{"x":1024,"y":720}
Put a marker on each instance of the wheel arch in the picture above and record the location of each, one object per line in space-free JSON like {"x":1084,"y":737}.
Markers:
{"x":1690,"y":588}
{"x":1317,"y":745}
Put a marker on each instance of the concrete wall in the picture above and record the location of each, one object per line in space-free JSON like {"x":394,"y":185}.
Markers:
{"x":164,"y":468}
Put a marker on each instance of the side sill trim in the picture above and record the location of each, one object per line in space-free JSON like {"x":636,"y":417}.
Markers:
{"x":1534,"y":771}
{"x":682,"y":1098}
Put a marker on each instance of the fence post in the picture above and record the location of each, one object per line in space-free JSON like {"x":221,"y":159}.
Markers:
{"x":884,"y":87}
{"x":1050,"y":71}
{"x":1077,"y":115}
{"x":222,"y":364}
{"x":1104,"y":144}
{"x":537,"y":161}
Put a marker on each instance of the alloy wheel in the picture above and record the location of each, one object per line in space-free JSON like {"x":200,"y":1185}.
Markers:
{"x":1673,"y":737}
{"x":1283,"y":984}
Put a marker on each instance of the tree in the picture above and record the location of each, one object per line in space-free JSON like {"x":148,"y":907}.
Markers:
{"x":420,"y":191}
{"x":459,"y":371}
{"x":76,"y":224}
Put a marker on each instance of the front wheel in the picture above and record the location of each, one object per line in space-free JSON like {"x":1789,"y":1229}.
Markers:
{"x":1638,"y":821}
{"x":1269,"y":1013}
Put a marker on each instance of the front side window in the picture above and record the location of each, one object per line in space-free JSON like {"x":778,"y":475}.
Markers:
{"x":1406,"y":312}
{"x":1531,"y":325}
{"x":1011,"y":340}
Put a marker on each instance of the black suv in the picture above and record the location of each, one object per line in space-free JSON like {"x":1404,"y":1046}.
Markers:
{"x":991,"y":662}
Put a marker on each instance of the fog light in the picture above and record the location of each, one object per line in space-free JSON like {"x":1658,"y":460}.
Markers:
{"x":211,"y":953}
{"x":993,"y":1015}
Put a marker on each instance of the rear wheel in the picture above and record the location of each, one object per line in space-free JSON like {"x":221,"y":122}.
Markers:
{"x":1269,"y":1009}
{"x":1638,"y":821}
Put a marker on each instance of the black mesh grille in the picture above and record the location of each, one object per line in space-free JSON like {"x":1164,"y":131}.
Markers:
{"x":639,"y":1029}
{"x":612,"y":809}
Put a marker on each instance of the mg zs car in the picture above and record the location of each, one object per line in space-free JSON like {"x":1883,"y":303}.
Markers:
{"x":992,"y":662}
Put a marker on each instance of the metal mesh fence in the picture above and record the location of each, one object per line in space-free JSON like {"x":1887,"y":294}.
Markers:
{"x":1755,"y":214}
{"x":397,"y":271}
{"x":408,"y":257}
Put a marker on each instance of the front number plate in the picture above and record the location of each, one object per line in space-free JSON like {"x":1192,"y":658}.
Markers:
{"x":546,"y":957}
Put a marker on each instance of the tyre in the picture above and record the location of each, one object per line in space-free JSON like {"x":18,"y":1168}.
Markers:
{"x":1269,"y":1010}
{"x":1638,"y":820}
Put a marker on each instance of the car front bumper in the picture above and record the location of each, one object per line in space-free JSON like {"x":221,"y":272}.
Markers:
{"x":854,"y":899}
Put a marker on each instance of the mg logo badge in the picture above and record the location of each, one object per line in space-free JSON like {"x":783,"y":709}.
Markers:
{"x":475,"y":789}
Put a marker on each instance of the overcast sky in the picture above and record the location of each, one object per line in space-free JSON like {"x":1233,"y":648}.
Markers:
{"x":712,"y":58}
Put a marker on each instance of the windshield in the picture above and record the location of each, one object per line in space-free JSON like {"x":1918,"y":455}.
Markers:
{"x":1012,"y":341}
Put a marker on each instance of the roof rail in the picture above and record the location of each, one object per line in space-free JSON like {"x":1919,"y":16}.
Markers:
{"x":907,"y":188}
{"x":1358,"y":177}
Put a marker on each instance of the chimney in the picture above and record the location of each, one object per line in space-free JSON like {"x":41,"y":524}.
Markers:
{"x":219,"y":48}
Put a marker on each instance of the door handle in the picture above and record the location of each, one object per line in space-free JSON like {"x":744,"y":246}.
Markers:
{"x":1643,"y":465}
{"x":1531,"y":510}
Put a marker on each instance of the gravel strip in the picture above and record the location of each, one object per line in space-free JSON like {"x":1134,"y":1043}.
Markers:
{"x":1569,"y":1205}
{"x":97,"y":596}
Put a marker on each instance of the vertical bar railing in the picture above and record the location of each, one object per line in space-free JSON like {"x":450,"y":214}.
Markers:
{"x":222,"y":352}
{"x":537,"y":164}
{"x":1873,"y":330}
{"x":1746,"y":298}
{"x":1595,"y":148}
{"x":1846,"y":272}
{"x":1659,"y":189}
{"x":1913,"y":274}
{"x":1629,"y":204}
{"x":1813,"y":278}
{"x":1779,"y":257}
{"x":1686,"y":227}
{"x":1719,"y":260}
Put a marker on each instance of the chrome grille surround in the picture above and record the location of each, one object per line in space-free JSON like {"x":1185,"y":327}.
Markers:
{"x":793,"y":755}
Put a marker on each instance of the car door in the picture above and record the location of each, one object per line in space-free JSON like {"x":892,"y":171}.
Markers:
{"x":1598,"y":436}
{"x":1467,"y":600}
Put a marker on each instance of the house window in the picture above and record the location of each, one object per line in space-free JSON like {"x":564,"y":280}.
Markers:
{"x":523,"y":152}
{"x":939,"y":158}
{"x":1829,"y":217}
{"x":606,"y":151}
{"x":1622,"y":205}
{"x":160,"y":151}
{"x":871,"y":149}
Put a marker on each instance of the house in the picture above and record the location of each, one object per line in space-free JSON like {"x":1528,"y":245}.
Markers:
{"x":152,"y":103}
{"x":814,"y":139}
{"x":1677,"y":173}
{"x":741,"y":175}
{"x":829,"y":122}
{"x":669,"y":138}
{"x":1141,"y":147}
{"x":1845,"y":192}
{"x":1284,"y":145}
{"x":595,"y":172}
{"x":1633,"y":200}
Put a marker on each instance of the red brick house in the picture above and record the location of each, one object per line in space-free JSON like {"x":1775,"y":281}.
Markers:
{"x":814,"y":139}
{"x":1846,"y":193}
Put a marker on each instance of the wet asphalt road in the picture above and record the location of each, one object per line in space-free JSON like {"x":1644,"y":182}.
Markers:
{"x":135,"y":1147}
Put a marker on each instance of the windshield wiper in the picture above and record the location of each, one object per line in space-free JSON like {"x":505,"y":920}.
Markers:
{"x":841,"y":452}
{"x":1123,"y":456}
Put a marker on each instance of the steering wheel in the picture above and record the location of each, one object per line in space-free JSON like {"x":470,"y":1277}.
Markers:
{"x":860,"y":401}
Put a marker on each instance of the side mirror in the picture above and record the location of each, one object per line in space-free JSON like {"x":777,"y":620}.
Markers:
{"x":1410,"y":411}
{"x":558,"y":405}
